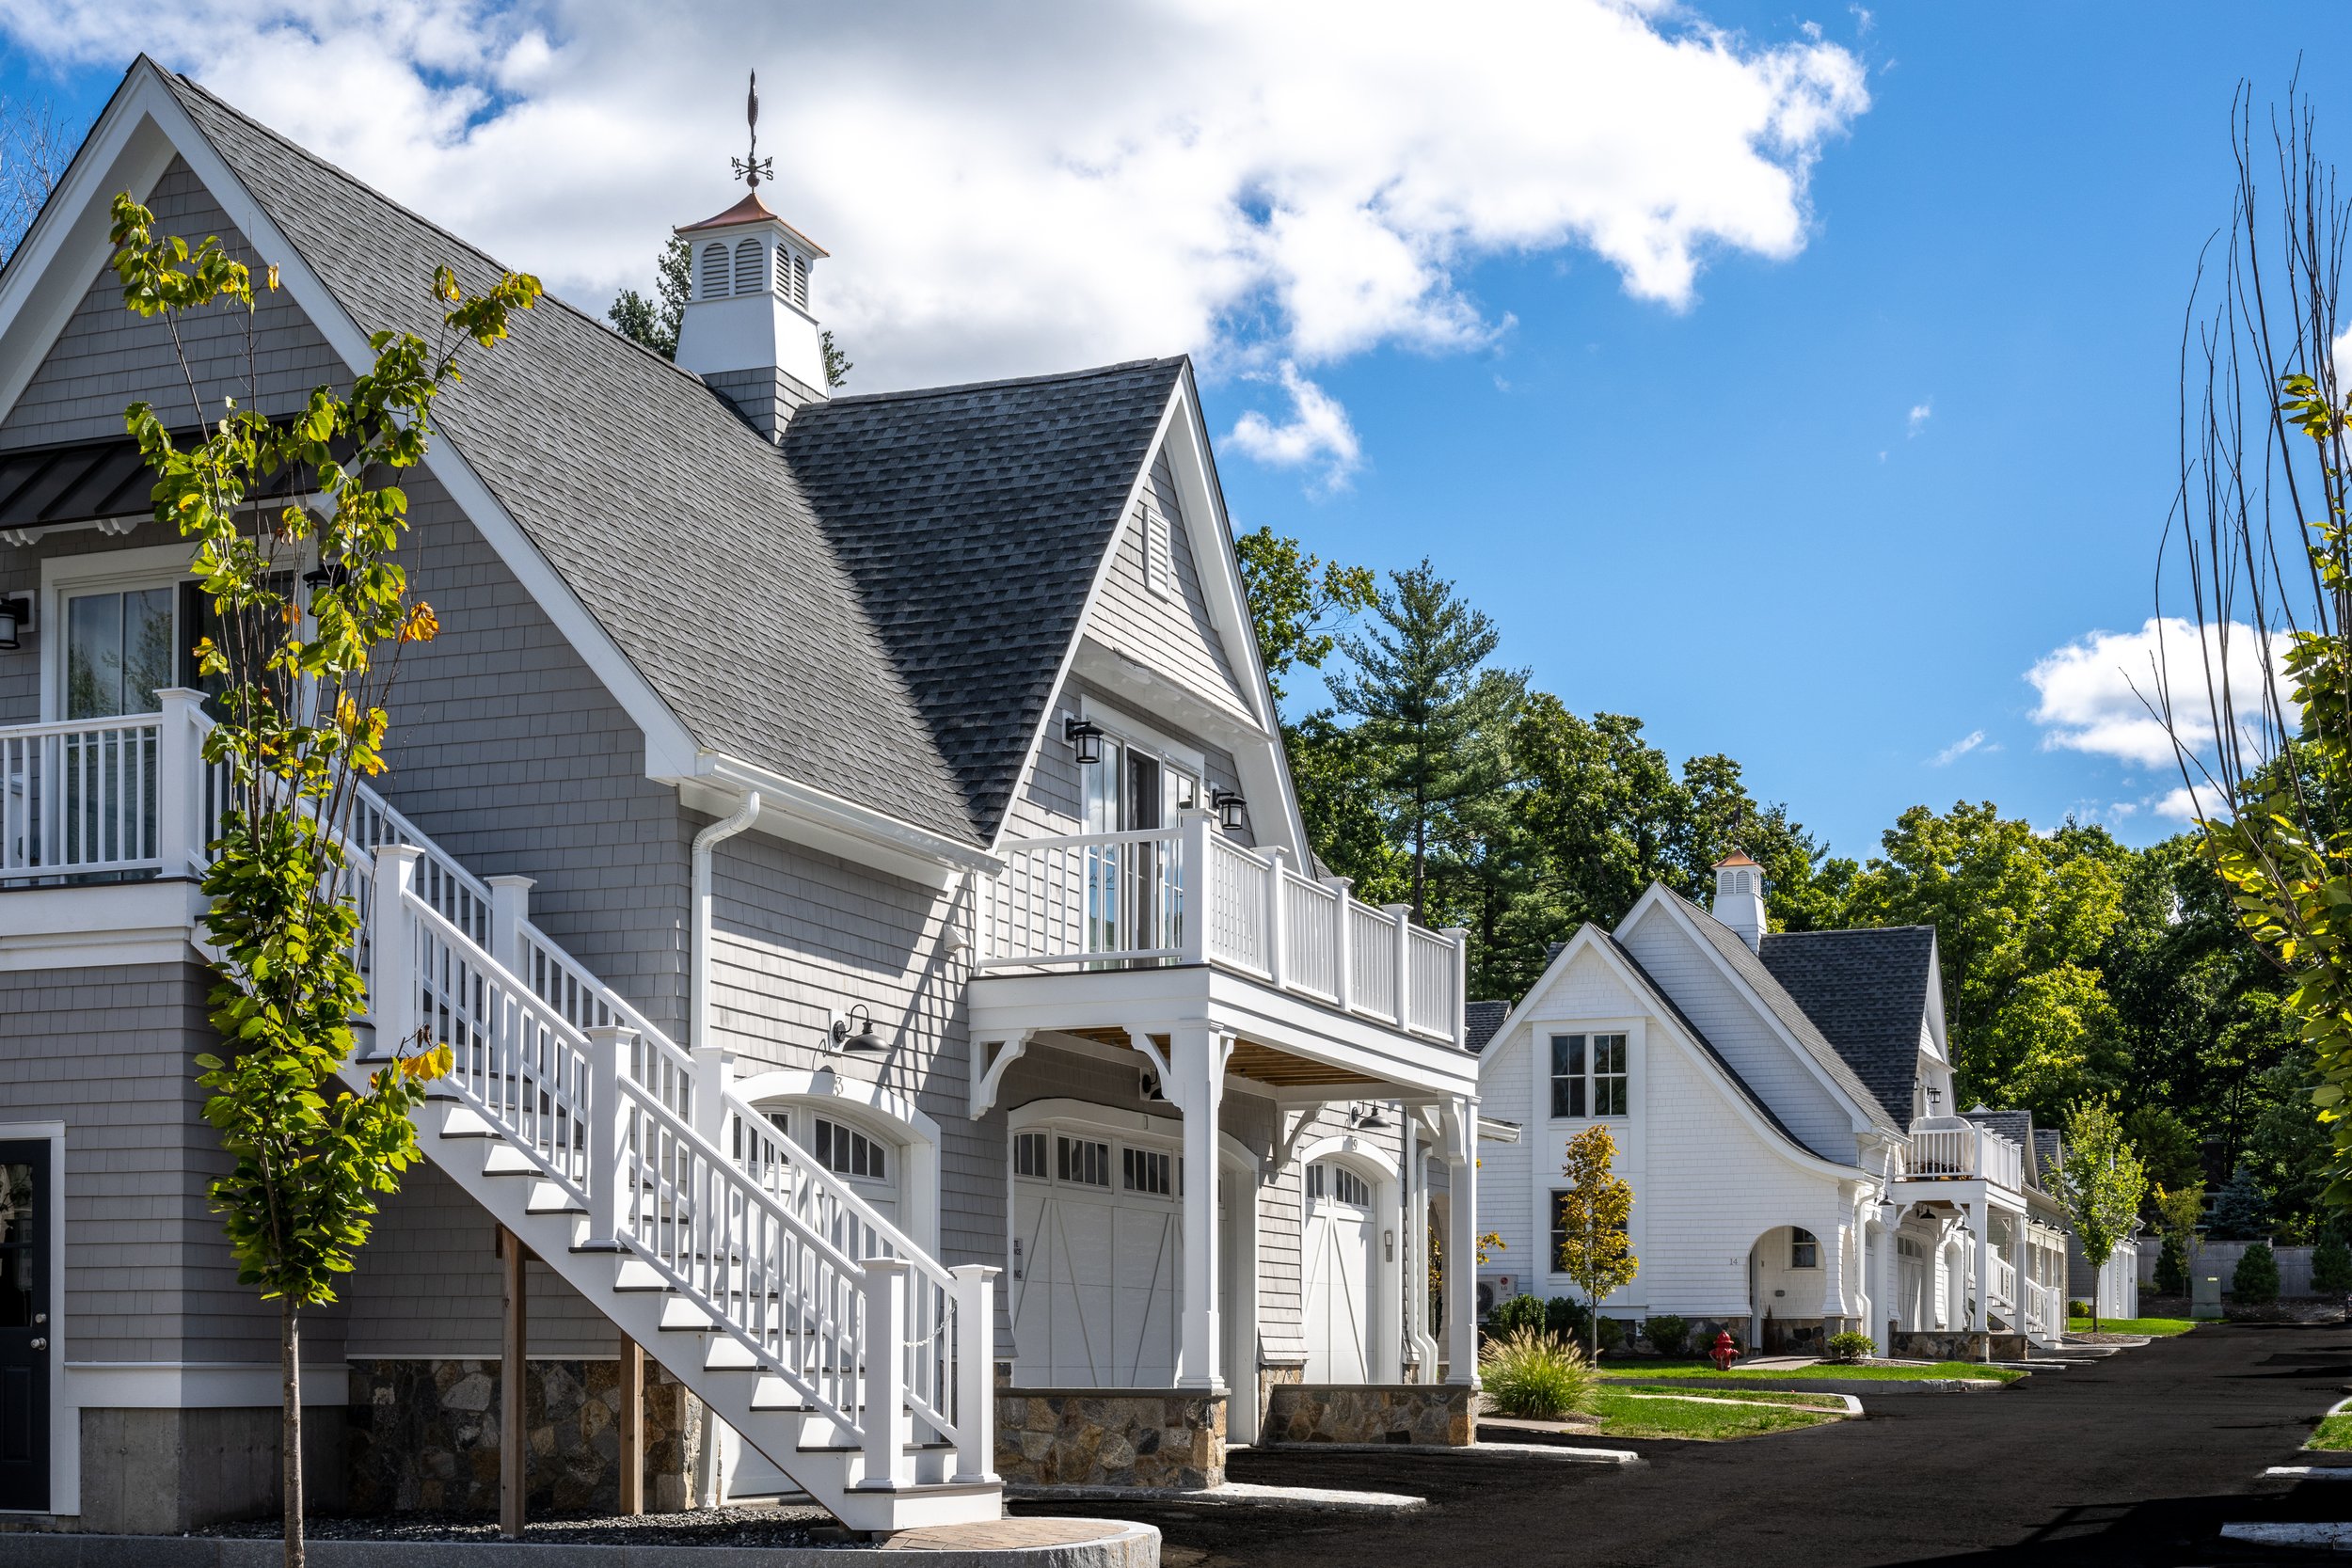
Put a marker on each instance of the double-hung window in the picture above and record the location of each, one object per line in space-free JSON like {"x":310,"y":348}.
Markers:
{"x":1590,"y":1076}
{"x":1805,"y":1249}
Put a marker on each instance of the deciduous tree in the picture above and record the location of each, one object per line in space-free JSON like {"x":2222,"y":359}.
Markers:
{"x":1595,"y":1247}
{"x":2101,"y":1182}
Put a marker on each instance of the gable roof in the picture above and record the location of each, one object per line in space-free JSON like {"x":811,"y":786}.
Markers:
{"x":767,"y":596}
{"x":1867,"y":990}
{"x":1656,"y":994}
{"x":1785,"y":1008}
{"x":2049,"y":1147}
{"x":1481,"y":1022}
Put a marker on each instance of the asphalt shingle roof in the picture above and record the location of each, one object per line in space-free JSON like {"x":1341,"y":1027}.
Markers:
{"x":1479,"y":1020}
{"x":2017,"y":1127}
{"x":1667,"y":1005}
{"x":876,"y":610}
{"x":1793,"y":1017}
{"x":1867,"y":990}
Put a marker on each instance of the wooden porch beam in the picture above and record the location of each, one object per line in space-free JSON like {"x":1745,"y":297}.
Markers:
{"x":632,"y":1427}
{"x":514,"y":1442}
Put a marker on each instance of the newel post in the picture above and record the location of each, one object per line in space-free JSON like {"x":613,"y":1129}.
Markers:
{"x":1459,"y":937}
{"x":179,"y":831}
{"x":610,"y":1183}
{"x":1345,"y":947}
{"x":887,"y":1427}
{"x":1199,"y":883}
{"x":976,"y":1374}
{"x":392,"y":989}
{"x":1278,"y":922}
{"x":1403,"y":915}
{"x":510,"y":910}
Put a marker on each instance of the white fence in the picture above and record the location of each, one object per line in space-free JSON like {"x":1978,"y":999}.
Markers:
{"x":1189,"y":895}
{"x":1951,"y":1148}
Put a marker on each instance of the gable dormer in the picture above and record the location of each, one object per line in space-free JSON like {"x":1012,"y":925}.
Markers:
{"x":747,"y":328}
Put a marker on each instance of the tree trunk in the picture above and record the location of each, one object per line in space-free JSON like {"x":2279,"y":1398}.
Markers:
{"x":290,"y":1433}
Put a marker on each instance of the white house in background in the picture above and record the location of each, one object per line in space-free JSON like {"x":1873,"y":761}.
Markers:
{"x":1781,"y":1105}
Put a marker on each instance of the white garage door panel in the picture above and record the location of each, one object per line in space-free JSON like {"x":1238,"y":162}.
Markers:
{"x":1338,"y":1249}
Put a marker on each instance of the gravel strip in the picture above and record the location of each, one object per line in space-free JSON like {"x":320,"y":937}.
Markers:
{"x":704,"y":1527}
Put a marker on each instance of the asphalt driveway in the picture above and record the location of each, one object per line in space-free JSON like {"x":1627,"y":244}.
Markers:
{"x":2135,"y":1459}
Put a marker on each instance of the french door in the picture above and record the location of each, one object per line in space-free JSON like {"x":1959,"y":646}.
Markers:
{"x":27,"y":1213}
{"x":1134,"y":893}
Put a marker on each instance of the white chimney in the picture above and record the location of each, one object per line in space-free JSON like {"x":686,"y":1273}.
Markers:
{"x":747,"y":331}
{"x":1739,"y":898}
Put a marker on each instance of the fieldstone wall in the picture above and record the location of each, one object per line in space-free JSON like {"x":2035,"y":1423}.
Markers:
{"x":1437,"y":1414}
{"x":1140,"y":1437}
{"x":1796,"y":1337}
{"x":1954,"y":1344}
{"x":425,"y":1434}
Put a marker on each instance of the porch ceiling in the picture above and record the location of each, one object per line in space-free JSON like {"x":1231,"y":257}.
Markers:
{"x":1262,"y":1064}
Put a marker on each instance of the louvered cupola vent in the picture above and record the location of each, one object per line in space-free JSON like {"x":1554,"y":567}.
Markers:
{"x":747,"y":329}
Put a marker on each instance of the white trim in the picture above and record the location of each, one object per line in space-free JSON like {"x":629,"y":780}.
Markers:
{"x":68,"y":577}
{"x":107,"y":922}
{"x":65,"y":1416}
{"x":1391,"y":1245}
{"x":912,"y":1133}
{"x":1138,"y":734}
{"x":202,"y":1385}
{"x":801,"y":814}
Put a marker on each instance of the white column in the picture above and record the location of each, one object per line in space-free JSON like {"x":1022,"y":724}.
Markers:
{"x":179,"y":826}
{"x":1196,"y":1084}
{"x":1346,"y":942}
{"x":2017,"y":1272}
{"x":1278,"y":922}
{"x":1416,"y":1253}
{"x":1193,"y":830}
{"x":1391,"y":1258}
{"x":510,"y":910}
{"x":1980,"y":1288}
{"x":976,"y":1374}
{"x":1459,"y":1028}
{"x":1884,"y":1294}
{"x":714,"y":1075}
{"x":888,"y":1426}
{"x":392,"y":993}
{"x":1461,"y":1241}
{"x":1402,"y":956}
{"x":610,"y":1189}
{"x":1834,"y":1304}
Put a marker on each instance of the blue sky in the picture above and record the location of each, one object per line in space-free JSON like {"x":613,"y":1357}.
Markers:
{"x":1824,"y":513}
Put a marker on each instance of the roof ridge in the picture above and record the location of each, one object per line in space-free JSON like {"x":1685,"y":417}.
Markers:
{"x":1038,"y":379}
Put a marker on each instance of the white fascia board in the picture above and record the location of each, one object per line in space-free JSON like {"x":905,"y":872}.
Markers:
{"x":795,"y":811}
{"x":668,"y":746}
{"x":1659,"y":897}
{"x":1153,"y":691}
{"x":93,"y":927}
{"x":198,"y":1384}
{"x":1493,"y":1131}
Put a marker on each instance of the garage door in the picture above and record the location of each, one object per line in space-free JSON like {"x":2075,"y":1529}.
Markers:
{"x":1338,"y":1249}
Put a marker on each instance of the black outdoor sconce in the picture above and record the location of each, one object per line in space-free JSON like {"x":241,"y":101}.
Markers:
{"x":16,"y":618}
{"x":1229,"y":808}
{"x":1086,"y":737}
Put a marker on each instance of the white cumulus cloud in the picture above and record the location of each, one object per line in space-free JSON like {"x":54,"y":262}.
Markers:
{"x":2090,"y":691}
{"x":1957,"y":749}
{"x":1009,"y":188}
{"x":1317,"y":432}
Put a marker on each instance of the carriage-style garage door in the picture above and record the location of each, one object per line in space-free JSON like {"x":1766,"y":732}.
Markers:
{"x":1339,"y":1268}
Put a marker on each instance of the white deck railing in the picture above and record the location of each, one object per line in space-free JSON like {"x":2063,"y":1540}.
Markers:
{"x":1952,"y":1149}
{"x":1189,"y":895}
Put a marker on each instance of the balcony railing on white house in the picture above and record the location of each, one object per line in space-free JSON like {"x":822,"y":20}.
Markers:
{"x":1188,"y":895}
{"x":1953,"y":1148}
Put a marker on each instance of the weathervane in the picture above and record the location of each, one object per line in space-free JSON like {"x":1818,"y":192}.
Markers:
{"x":753,"y":168}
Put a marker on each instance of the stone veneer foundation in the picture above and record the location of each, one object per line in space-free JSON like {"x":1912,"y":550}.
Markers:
{"x":1941,"y":1344}
{"x":1431,"y":1413}
{"x":1153,"y":1438}
{"x":425,"y":1434}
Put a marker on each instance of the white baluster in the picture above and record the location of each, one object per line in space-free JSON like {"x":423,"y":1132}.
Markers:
{"x":612,"y":1189}
{"x":975,"y":1373}
{"x":179,"y":781}
{"x":1278,"y":922}
{"x":887,"y":1427}
{"x":392,"y":969}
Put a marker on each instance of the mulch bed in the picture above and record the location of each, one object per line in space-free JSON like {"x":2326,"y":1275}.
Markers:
{"x":706,"y":1527}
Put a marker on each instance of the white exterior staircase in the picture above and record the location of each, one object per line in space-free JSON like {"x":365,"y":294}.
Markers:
{"x":856,"y":1362}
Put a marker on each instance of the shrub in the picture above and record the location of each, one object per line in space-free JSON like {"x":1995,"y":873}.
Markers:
{"x":2173,"y":1269}
{"x":1519,"y":1312}
{"x":2331,"y":1266}
{"x":1565,"y":1318}
{"x":1667,"y":1335}
{"x":1529,"y":1373}
{"x":2078,"y":1310}
{"x":2256,"y":1281}
{"x":1852,"y":1347}
{"x":1611,"y":1334}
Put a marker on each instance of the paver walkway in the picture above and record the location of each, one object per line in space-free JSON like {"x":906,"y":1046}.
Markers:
{"x":2135,"y":1459}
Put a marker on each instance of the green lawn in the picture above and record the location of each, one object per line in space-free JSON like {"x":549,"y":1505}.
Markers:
{"x":2155,"y":1328}
{"x":1869,"y":1373}
{"x":1623,"y":1414}
{"x":2335,"y":1432}
{"x":1774,"y":1396}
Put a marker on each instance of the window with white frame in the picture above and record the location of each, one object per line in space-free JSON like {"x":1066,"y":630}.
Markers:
{"x":841,"y":1148}
{"x":1029,"y":1156}
{"x":1805,"y":1249}
{"x":1083,"y":1161}
{"x":1337,"y":1184}
{"x":1148,"y":1171}
{"x":1590,"y":1076}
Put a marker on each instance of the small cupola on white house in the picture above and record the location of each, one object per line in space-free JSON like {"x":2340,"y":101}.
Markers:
{"x":1739,"y":898}
{"x":747,"y":331}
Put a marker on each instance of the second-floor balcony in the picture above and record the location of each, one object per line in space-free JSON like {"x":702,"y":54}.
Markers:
{"x":1190,"y":896}
{"x":1953,"y":1148}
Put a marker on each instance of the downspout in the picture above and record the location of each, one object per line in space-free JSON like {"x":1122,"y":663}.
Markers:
{"x":713,"y":1069}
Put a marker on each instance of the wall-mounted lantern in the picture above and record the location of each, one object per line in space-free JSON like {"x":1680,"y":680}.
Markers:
{"x":16,"y":618}
{"x":842,"y":1038}
{"x":1086,"y":737}
{"x":1229,"y":808}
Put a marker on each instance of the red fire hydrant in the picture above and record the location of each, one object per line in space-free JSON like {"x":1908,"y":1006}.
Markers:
{"x":1726,"y":1351}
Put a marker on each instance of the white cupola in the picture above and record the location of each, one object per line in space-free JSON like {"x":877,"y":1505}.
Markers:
{"x":1739,"y":898}
{"x":747,"y":329}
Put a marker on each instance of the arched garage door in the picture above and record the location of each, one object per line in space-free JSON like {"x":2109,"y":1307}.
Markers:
{"x":1339,"y":1306}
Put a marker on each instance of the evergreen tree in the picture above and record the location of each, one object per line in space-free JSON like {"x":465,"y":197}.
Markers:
{"x":2256,"y":1281}
{"x":2331,"y":1266}
{"x":838,"y":366}
{"x":1430,"y":713}
{"x":654,"y":322}
{"x":2240,"y":1211}
{"x":2171,"y":1269}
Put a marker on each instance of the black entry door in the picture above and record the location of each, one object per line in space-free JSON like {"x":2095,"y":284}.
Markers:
{"x":27,"y":1213}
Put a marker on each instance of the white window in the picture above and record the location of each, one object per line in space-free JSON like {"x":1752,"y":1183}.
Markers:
{"x":1159,"y":563}
{"x":1804,"y":1250}
{"x":1028,"y":1155}
{"x":846,"y":1151}
{"x":120,"y":646}
{"x":1147,"y":1171}
{"x":1339,"y":1184}
{"x":1084,"y":1162}
{"x":751,"y":267}
{"x":715,"y":272}
{"x":1589,"y":1076}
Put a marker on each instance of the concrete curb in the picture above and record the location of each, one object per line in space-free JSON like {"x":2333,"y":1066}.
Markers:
{"x":1846,"y":1384}
{"x":1474,"y":1451}
{"x":1121,"y":1546}
{"x":1234,"y":1495}
{"x":1853,"y":1405}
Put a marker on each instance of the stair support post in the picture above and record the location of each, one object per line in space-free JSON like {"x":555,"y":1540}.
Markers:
{"x":887,"y":1428}
{"x":632,"y":1427}
{"x":610,"y":1190}
{"x":392,"y":959}
{"x":514,"y":1442}
{"x":975,"y":1373}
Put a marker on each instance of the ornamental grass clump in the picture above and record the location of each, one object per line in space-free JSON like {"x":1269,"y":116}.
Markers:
{"x":1533,"y":1375}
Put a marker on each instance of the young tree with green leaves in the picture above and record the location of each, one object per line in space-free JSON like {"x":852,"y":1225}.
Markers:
{"x":1595,"y":1247}
{"x":1430,"y":711}
{"x":1297,"y":602}
{"x":2101,"y":1182}
{"x":302,"y":689}
{"x":2179,"y":1210}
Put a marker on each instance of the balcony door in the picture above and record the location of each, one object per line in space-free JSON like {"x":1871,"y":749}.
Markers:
{"x":1135,"y":892}
{"x":26,"y":1213}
